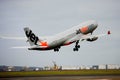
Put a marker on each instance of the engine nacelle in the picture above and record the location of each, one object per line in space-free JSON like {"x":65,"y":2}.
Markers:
{"x":92,"y":39}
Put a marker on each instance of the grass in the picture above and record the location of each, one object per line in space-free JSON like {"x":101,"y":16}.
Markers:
{"x":60,"y":73}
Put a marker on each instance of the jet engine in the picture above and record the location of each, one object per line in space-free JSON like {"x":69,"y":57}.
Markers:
{"x":92,"y":39}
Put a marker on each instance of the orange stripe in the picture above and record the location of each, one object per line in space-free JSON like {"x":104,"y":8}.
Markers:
{"x":84,"y":29}
{"x":42,"y":43}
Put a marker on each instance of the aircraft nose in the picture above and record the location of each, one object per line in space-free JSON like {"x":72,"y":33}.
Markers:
{"x":89,"y":28}
{"x":95,"y":26}
{"x":92,"y":27}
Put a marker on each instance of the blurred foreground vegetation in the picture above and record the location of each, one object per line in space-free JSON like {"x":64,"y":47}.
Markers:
{"x":60,"y":73}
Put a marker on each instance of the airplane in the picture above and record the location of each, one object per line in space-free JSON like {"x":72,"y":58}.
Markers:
{"x":75,"y":34}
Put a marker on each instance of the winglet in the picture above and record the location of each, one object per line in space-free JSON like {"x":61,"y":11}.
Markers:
{"x":108,"y":32}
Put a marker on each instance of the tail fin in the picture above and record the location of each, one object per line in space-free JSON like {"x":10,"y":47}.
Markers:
{"x":32,"y":38}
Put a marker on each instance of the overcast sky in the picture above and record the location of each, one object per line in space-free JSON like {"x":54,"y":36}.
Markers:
{"x":49,"y":17}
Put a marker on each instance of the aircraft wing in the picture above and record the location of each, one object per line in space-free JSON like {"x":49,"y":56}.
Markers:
{"x":93,"y":37}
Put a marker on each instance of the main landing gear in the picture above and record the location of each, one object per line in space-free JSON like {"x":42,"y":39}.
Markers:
{"x":76,"y":46}
{"x":56,"y":49}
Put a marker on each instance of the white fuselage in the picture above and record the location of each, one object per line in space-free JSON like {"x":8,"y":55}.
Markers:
{"x":67,"y":37}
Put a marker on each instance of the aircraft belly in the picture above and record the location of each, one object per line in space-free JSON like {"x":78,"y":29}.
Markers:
{"x":57,"y":43}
